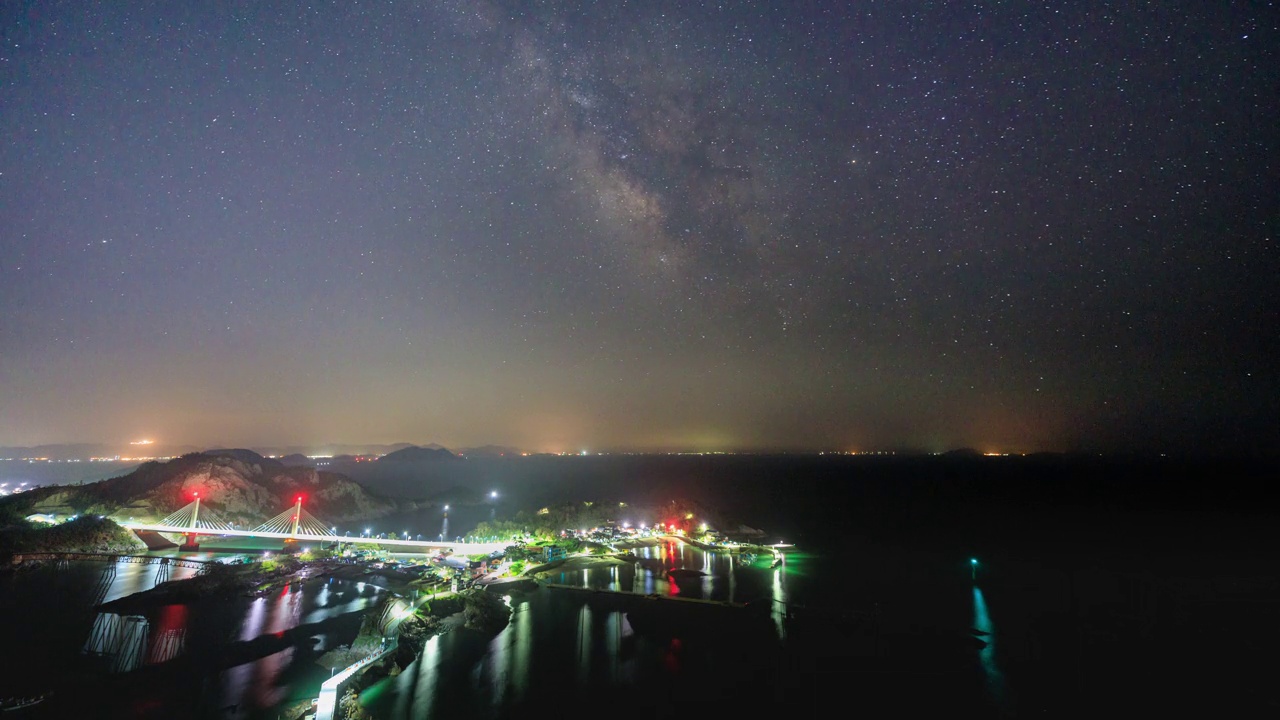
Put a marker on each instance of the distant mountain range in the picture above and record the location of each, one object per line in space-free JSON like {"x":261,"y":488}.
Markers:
{"x":86,"y":451}
{"x":290,"y":454}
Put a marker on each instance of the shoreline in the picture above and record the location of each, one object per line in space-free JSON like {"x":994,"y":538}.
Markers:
{"x":580,"y":562}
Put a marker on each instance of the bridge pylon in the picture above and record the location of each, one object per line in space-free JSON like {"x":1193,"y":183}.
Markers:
{"x":191,"y":522}
{"x":295,"y":524}
{"x":297,"y":514}
{"x":191,"y":545}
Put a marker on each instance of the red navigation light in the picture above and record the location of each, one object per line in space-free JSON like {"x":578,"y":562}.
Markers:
{"x":195,"y":495}
{"x":299,"y":499}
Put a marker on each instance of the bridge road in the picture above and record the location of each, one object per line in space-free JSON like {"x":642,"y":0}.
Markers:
{"x":458,"y":548}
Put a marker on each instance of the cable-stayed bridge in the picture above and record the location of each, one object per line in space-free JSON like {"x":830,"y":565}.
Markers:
{"x":193,"y":520}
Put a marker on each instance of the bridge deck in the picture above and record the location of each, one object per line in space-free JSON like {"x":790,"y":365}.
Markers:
{"x":455,"y":547}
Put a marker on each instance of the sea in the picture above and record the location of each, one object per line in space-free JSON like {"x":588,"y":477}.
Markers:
{"x":987,"y":587}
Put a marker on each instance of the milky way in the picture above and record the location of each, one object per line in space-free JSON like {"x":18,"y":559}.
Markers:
{"x":845,"y":226}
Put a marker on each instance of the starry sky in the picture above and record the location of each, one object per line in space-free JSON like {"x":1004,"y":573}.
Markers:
{"x":641,"y":225}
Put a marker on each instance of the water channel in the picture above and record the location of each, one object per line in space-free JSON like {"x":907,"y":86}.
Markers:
{"x":197,"y":659}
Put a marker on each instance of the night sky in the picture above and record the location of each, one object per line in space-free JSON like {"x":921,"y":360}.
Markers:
{"x":649,"y":225}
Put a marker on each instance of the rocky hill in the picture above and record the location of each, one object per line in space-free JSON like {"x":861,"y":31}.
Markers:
{"x":239,"y":485}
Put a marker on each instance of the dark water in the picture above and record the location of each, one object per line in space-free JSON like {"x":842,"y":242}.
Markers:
{"x":585,"y":652}
{"x":878,"y":629}
{"x":1103,"y":590}
{"x":16,"y":472}
{"x":186,"y":660}
{"x":432,"y":523}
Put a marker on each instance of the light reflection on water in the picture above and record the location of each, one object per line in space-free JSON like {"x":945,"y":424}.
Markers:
{"x":584,"y":644}
{"x":987,"y":656}
{"x":425,"y":680}
{"x":507,"y":663}
{"x":63,"y":627}
{"x":721,"y":577}
{"x":259,"y":684}
{"x":779,"y":604}
{"x":130,"y":578}
{"x":599,"y":647}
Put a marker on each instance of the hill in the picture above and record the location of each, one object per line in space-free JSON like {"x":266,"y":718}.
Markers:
{"x":83,"y":535}
{"x":417,"y":454}
{"x":239,"y":485}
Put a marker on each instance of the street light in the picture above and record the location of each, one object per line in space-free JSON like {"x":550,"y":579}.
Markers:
{"x":973,"y":569}
{"x":493,"y":494}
